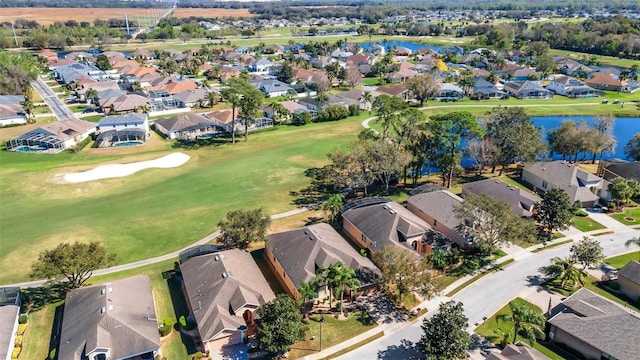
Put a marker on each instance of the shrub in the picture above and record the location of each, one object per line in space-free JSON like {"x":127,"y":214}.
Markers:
{"x":22,"y":319}
{"x":52,"y":354}
{"x":183,"y":321}
{"x":614,"y":285}
{"x":18,"y":342}
{"x":81,"y":145}
{"x":165,"y":330}
{"x":22,"y":328}
{"x":299,"y":119}
{"x":168,"y":321}
{"x":580,"y":212}
{"x":15,"y":353}
{"x":197,"y":356}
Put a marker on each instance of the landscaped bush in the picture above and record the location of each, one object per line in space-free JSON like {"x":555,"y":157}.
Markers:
{"x":580,"y":212}
{"x":15,"y":353}
{"x":167,"y":327}
{"x":332,"y":113}
{"x":186,"y":323}
{"x":22,"y":328}
{"x":299,"y":119}
{"x":18,"y":341}
{"x":52,"y":354}
{"x":81,"y":145}
{"x":183,"y":321}
{"x":22,"y":319}
{"x":168,"y":321}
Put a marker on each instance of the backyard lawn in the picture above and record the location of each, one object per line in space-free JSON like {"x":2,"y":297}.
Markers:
{"x":496,"y":327}
{"x":630,"y":216}
{"x":585,"y":223}
{"x":154,"y":211}
{"x":333,"y":332}
{"x":620,"y":261}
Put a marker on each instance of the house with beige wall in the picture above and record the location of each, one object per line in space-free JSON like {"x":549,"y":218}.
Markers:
{"x":295,"y":255}
{"x":436,"y":208}
{"x":629,"y":280}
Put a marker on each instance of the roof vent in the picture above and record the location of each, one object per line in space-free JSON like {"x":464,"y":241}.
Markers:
{"x":221,"y":256}
{"x":110,"y":307}
{"x":392,"y":211}
{"x":512,"y":188}
{"x":224,"y":274}
{"x":102,"y":291}
{"x":103,"y":310}
{"x":385,"y":207}
{"x":110,"y":289}
{"x":199,"y":305}
{"x":216,"y":258}
{"x":230,"y":273}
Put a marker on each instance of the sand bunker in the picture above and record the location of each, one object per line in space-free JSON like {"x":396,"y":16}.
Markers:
{"x":121,"y":170}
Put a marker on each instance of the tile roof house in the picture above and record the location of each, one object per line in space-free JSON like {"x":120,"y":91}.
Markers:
{"x":603,"y":81}
{"x":224,"y":118}
{"x":595,"y":327}
{"x":9,"y":312}
{"x":191,"y":98}
{"x":436,"y":208}
{"x":186,"y":126}
{"x":303,"y":75}
{"x":629,"y":280}
{"x":580,"y":185}
{"x":517,"y":351}
{"x":521,"y":202}
{"x":296,"y":255}
{"x":372,"y":227}
{"x":123,"y":103}
{"x":223,"y":289}
{"x":54,"y":137}
{"x":398,"y":90}
{"x":102,"y":321}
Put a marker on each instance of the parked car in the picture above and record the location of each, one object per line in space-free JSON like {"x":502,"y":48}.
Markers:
{"x":88,"y":110}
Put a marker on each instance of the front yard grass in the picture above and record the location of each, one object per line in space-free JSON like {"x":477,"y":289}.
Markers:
{"x":585,"y":223}
{"x":334,"y":331}
{"x":591,"y":283}
{"x":630,"y":216}
{"x":496,"y":328}
{"x":620,"y":261}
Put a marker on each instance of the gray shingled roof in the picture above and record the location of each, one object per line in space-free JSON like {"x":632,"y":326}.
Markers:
{"x":185,"y":122}
{"x":627,"y":170}
{"x":9,"y":311}
{"x":439,"y":205}
{"x":565,"y":176}
{"x":518,"y":351}
{"x":301,"y":251}
{"x":219,"y":284}
{"x":119,"y":316}
{"x":521,"y":202}
{"x":631,"y":271}
{"x":388,"y":223}
{"x":129,"y":119}
{"x":600,"y":323}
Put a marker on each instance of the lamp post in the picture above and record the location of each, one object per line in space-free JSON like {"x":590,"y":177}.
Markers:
{"x":321,"y":321}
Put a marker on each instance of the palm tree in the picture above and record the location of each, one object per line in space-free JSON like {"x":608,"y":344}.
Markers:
{"x":526,"y":321}
{"x":233,"y":97}
{"x":279,"y":112}
{"x":92,"y":95}
{"x":633,"y":241}
{"x":467,"y":83}
{"x":564,"y":271}
{"x":367,"y":98}
{"x":323,"y":100}
{"x":334,"y":205}
{"x":144,"y":108}
{"x":635,"y":70}
{"x":307,"y":290}
{"x":212,"y":98}
{"x":341,"y":277}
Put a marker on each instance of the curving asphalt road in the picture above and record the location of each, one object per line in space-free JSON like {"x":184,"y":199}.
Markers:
{"x":59,"y":109}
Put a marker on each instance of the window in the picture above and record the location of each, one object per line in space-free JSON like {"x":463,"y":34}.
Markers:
{"x":435,"y":222}
{"x":363,"y":238}
{"x":544,"y":184}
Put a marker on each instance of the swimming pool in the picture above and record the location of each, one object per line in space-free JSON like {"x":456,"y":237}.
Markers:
{"x":128,"y":143}
{"x":29,"y":149}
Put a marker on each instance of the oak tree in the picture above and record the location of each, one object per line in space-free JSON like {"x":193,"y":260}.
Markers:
{"x":242,"y":227}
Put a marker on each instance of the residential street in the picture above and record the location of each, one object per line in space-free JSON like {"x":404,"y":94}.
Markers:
{"x":59,"y":109}
{"x":484,"y":297}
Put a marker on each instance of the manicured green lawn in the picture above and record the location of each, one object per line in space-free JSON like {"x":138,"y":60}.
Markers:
{"x":496,"y":327}
{"x":38,"y":334}
{"x":41,"y":110}
{"x":591,"y":283}
{"x":154,"y":211}
{"x":620,"y":261}
{"x":79,"y":108}
{"x":630,"y":216}
{"x":92,"y":118}
{"x":371,"y":81}
{"x":585,"y":223}
{"x":334,"y":331}
{"x":607,"y":60}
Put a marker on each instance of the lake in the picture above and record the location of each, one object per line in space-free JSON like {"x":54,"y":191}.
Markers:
{"x":623,"y":129}
{"x":413,"y":46}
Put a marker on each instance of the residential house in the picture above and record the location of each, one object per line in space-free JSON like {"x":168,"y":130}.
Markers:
{"x":629,"y":280}
{"x":571,"y":67}
{"x":224,"y":119}
{"x":295,"y":255}
{"x":401,"y":51}
{"x":485,"y":90}
{"x":291,"y":106}
{"x":53,"y":137}
{"x":355,"y":96}
{"x":187,"y":126}
{"x":611,"y":170}
{"x":341,"y":55}
{"x":602,"y":81}
{"x":321,"y":61}
{"x":405,"y":73}
{"x":517,"y":351}
{"x":374,"y":226}
{"x":303,"y":75}
{"x":595,"y":327}
{"x":74,"y":71}
{"x":272,"y":87}
{"x":261,"y":66}
{"x":117,"y":129}
{"x":449,"y":92}
{"x":12,"y":114}
{"x":116,"y":320}
{"x":98,"y":86}
{"x":527,"y":90}
{"x":520,"y":201}
{"x":571,"y":87}
{"x":315,"y":105}
{"x":436,"y":208}
{"x":191,"y":98}
{"x":9,"y":312}
{"x":143,"y":54}
{"x":223,"y":289}
{"x":398,"y":90}
{"x":123,"y":103}
{"x":580,"y":185}
{"x":359,"y":59}
{"x":175,"y":87}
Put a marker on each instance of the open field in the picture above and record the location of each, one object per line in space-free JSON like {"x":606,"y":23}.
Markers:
{"x":47,"y":16}
{"x":606,"y":60}
{"x":154,"y":211}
